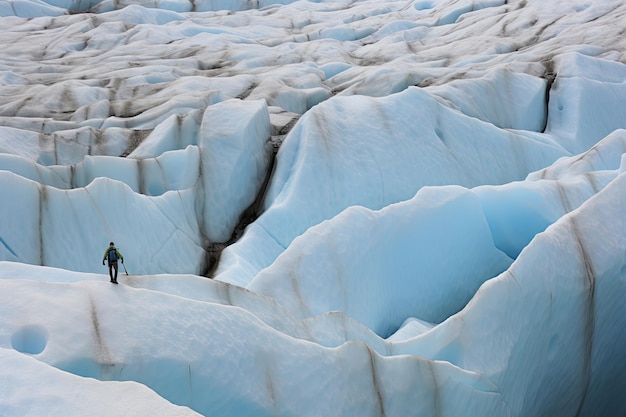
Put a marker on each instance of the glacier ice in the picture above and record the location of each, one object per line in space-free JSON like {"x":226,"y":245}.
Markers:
{"x":406,"y":208}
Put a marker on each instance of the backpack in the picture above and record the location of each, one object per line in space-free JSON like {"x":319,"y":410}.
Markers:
{"x":112,"y":255}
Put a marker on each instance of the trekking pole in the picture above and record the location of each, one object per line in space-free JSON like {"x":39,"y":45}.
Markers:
{"x":124,"y":268}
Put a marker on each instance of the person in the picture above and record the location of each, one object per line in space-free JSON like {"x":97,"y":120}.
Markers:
{"x":112,"y":255}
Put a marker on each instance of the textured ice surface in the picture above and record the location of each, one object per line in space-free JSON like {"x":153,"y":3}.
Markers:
{"x":408,"y":208}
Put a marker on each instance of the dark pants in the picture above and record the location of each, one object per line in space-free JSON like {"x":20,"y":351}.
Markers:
{"x":112,"y":266}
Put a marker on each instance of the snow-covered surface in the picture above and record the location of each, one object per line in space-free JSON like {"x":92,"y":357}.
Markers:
{"x":442,"y":230}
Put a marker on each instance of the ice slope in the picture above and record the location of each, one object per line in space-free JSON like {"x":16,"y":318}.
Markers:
{"x":52,"y":392}
{"x":382,"y":152}
{"x":557,"y":303}
{"x":425,"y":257}
{"x":441,"y":231}
{"x":418,"y":141}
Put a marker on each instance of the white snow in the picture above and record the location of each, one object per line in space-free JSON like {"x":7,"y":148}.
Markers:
{"x":326,"y":208}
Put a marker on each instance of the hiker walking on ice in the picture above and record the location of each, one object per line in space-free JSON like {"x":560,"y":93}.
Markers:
{"x":112,"y":255}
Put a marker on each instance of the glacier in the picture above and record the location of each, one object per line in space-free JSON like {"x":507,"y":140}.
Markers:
{"x":326,"y":208}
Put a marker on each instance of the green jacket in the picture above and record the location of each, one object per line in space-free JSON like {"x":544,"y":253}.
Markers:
{"x":106,"y":254}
